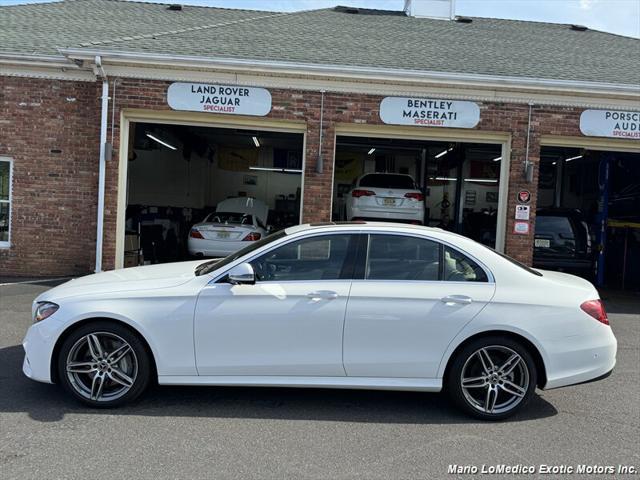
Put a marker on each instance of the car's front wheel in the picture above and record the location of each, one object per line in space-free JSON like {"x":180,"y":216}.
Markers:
{"x":103,"y":364}
{"x":492,"y":378}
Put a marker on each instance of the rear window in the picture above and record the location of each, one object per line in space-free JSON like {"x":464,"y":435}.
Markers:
{"x":386,"y":180}
{"x":230,"y":218}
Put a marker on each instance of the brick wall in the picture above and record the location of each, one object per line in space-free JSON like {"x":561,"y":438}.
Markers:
{"x":51,"y":130}
{"x":55,"y":194}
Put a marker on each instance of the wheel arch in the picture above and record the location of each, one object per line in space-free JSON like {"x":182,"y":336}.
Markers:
{"x":76,"y":325}
{"x":526,"y":343}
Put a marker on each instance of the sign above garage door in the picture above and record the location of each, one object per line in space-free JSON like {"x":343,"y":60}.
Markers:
{"x":230,"y":99}
{"x":429,"y":112}
{"x":610,"y":123}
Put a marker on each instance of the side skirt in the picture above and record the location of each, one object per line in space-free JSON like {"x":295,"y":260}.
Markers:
{"x":365,"y":383}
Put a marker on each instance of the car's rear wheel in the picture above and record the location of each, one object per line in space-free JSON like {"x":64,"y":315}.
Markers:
{"x":492,"y":378}
{"x":104,"y":364}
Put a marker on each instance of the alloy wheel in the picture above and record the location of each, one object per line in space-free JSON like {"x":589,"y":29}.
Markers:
{"x":494,"y":379}
{"x":101,"y":366}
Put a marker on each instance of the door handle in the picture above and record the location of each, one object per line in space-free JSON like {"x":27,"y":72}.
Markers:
{"x":323,"y":294}
{"x":459,"y":299}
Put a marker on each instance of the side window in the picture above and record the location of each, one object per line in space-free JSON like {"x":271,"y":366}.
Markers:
{"x":397,"y":257}
{"x":323,"y":257}
{"x":460,"y":268}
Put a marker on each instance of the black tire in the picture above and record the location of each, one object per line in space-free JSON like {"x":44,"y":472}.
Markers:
{"x":474,"y":399}
{"x":135,"y":365}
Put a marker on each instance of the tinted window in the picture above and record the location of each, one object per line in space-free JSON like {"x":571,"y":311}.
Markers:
{"x":387,"y":181}
{"x":460,"y":268}
{"x":396,"y":257}
{"x":317,"y":258}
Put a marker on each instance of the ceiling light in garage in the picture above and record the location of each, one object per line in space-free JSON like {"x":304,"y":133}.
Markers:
{"x":573,"y":158}
{"x":281,"y":170}
{"x":371,"y":151}
{"x":497,"y":159}
{"x":256,"y":142}
{"x":444,"y":179}
{"x":481,"y":180}
{"x":161,"y":142}
{"x":443,"y":153}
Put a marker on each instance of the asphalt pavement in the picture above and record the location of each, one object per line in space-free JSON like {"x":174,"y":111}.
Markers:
{"x":264,"y":433}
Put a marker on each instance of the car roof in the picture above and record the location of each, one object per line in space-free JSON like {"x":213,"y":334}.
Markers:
{"x":365,"y":225}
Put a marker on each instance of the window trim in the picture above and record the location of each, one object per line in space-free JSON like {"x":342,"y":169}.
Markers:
{"x":441,"y":243}
{"x":7,"y":243}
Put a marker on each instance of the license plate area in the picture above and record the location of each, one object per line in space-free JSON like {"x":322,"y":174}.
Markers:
{"x":224,"y":234}
{"x":389,"y":202}
{"x":542,"y":243}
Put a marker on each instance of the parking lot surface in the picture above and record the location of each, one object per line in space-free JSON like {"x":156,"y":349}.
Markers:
{"x":195,"y":432}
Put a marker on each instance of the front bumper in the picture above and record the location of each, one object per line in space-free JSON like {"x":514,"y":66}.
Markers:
{"x":38,"y":347}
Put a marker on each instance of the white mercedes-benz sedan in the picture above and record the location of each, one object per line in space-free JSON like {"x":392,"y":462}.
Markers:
{"x":354,"y":305}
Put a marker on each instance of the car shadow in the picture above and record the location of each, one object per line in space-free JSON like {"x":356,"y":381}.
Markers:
{"x":49,"y":403}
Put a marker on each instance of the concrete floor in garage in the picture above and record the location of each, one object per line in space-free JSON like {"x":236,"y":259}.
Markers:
{"x":245,"y":433}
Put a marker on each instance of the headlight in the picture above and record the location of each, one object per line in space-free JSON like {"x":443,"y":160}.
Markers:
{"x":44,"y":310}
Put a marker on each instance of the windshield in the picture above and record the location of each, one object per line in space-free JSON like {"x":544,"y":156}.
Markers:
{"x":210,"y":266}
{"x":230,"y":218}
{"x":388,"y":181}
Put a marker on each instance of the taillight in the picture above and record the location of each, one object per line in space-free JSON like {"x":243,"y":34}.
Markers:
{"x":252,"y":237}
{"x":362,"y":193}
{"x":194,"y":233}
{"x":415,"y":195}
{"x":595,"y":308}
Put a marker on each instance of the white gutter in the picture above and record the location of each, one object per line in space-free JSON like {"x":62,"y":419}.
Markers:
{"x":102,"y":167}
{"x":390,"y":74}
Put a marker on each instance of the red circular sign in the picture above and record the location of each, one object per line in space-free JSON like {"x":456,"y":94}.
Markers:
{"x":524,"y":196}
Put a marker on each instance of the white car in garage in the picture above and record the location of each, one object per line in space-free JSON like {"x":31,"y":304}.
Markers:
{"x":235,"y":222}
{"x":357,"y":305}
{"x":385,"y":196}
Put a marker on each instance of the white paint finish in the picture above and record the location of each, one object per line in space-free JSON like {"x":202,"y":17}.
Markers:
{"x":270,"y":328}
{"x":226,"y":99}
{"x":436,"y":9}
{"x":274,"y":334}
{"x":610,"y":123}
{"x":401,"y":329}
{"x":429,"y":112}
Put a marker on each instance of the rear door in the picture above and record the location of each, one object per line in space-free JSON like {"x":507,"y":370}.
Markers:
{"x":416,"y":295}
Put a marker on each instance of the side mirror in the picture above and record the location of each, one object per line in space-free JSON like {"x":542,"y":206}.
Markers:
{"x":242,"y":274}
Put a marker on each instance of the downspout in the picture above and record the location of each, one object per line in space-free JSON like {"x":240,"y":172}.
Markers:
{"x":528,"y":167}
{"x":102,"y":166}
{"x":320,"y":164}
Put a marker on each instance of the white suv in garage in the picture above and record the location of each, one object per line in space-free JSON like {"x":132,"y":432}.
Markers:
{"x":388,"y":196}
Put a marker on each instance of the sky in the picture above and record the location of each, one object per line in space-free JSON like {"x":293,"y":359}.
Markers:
{"x":616,"y":16}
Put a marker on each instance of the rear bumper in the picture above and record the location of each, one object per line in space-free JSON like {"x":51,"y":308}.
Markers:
{"x":214,"y":248}
{"x":578,"y":265}
{"x":582,"y":359}
{"x":408,"y":214}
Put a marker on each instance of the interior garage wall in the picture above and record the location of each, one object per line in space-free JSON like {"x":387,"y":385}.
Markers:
{"x":51,"y":130}
{"x":162,"y":177}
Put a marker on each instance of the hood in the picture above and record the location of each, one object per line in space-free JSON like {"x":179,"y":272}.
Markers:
{"x":249,"y":205}
{"x":126,"y":279}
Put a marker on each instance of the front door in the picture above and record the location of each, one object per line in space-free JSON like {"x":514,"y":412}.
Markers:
{"x":416,"y":296}
{"x":290,"y":322}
